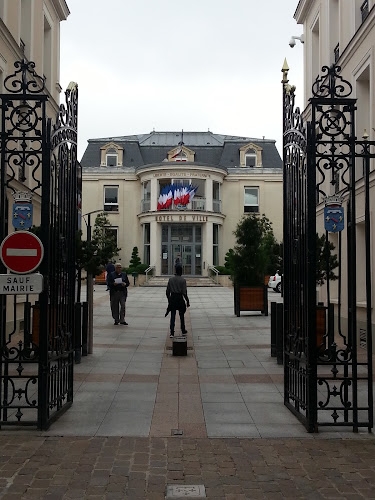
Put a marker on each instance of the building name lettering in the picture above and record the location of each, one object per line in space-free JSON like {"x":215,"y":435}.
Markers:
{"x":18,"y":288}
{"x":181,"y":174}
{"x":19,"y":284}
{"x":181,"y":218}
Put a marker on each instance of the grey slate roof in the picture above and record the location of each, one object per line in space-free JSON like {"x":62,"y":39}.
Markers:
{"x":217,"y":150}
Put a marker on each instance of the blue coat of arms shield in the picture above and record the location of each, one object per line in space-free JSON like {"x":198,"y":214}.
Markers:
{"x":334,"y":218}
{"x":22,"y":216}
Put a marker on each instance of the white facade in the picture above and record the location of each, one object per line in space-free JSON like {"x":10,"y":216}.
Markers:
{"x":30,"y":30}
{"x":343,"y":32}
{"x":233,"y":176}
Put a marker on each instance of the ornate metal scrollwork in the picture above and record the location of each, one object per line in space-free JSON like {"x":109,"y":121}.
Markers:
{"x":24,"y":80}
{"x":330,"y":84}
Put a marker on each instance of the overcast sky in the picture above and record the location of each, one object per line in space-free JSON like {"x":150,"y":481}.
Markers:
{"x":171,"y":65}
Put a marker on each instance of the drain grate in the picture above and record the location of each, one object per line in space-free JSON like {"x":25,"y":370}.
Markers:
{"x":188,"y":491}
{"x":177,"y":432}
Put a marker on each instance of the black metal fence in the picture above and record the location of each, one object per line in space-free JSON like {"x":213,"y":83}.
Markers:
{"x":326,"y":381}
{"x":39,"y":159}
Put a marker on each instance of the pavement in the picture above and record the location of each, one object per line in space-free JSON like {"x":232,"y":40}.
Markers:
{"x":147,"y":424}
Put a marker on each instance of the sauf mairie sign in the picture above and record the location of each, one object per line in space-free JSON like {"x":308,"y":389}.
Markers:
{"x":13,"y":284}
{"x":21,"y":252}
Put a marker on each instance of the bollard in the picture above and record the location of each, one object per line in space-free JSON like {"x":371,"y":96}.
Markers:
{"x":179,"y":346}
{"x":85,"y":326}
{"x":77,"y":332}
{"x":273,"y":329}
{"x":280,"y":333}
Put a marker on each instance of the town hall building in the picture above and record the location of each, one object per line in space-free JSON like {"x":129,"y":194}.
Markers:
{"x":181,"y":194}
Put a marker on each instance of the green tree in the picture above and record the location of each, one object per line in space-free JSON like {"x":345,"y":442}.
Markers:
{"x":325,"y":260}
{"x":94,"y":255}
{"x":228,"y":259}
{"x":135,"y":260}
{"x":254,"y":251}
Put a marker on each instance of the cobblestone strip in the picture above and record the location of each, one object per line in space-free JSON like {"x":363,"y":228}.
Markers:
{"x":178,"y":405}
{"x":141,"y":468}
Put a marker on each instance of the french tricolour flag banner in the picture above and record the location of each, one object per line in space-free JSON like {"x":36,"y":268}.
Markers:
{"x":177,"y":194}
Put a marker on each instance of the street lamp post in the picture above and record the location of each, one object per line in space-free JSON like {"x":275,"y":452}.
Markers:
{"x":90,"y":288}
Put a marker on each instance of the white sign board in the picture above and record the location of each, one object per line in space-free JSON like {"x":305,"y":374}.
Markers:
{"x":14,"y":284}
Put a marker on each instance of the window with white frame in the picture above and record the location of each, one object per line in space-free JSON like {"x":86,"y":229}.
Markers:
{"x":180,"y":156}
{"x":111,"y":157}
{"x":251,"y":199}
{"x":146,"y":243}
{"x":215,"y":249}
{"x":250,"y":158}
{"x":112,"y":233}
{"x":364,"y":10}
{"x":146,"y":197}
{"x":111,"y":198}
{"x":216,"y":204}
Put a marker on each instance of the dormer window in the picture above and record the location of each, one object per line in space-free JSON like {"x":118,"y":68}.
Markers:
{"x":181,"y":153}
{"x":181,"y":156}
{"x":250,"y":158}
{"x":111,"y":155}
{"x":251,"y":155}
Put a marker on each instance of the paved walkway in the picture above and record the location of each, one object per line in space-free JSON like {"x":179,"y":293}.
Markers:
{"x":145,"y":424}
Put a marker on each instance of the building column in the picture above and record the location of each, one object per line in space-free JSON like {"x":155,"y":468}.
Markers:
{"x":207,"y":242}
{"x":155,"y":246}
{"x":154,"y":194}
{"x":209,"y":194}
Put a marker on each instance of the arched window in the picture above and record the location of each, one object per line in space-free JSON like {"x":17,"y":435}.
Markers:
{"x":180,"y":156}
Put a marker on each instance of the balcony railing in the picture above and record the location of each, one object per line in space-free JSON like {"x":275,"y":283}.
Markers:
{"x":197,"y":205}
{"x":216,"y":206}
{"x":145,"y":205}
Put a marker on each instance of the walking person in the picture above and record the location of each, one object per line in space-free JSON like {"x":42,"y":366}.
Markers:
{"x":178,"y":300}
{"x":118,"y":283}
{"x":109,"y":270}
{"x":178,"y":263}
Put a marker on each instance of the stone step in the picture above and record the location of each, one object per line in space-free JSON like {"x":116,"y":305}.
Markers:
{"x":192,"y":281}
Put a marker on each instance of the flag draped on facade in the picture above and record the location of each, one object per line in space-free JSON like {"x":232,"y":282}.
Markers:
{"x":176,"y":194}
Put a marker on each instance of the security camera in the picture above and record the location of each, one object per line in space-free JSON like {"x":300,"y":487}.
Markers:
{"x":292,"y":42}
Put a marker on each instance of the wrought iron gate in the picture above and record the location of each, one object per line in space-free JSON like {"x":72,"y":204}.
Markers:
{"x":326,"y":170}
{"x":38,"y":159}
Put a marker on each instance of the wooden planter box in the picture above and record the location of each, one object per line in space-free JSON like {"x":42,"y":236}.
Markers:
{"x":250,"y":298}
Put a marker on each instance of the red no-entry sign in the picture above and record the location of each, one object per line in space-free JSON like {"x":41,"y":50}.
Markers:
{"x":21,"y":252}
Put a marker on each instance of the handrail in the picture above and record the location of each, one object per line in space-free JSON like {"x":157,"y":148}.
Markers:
{"x":147,"y":271}
{"x":214,"y":270}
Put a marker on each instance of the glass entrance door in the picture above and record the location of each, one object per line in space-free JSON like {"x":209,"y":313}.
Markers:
{"x":184,"y":253}
{"x":182,"y":242}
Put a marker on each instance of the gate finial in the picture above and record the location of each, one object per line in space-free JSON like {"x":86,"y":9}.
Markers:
{"x":285,"y":70}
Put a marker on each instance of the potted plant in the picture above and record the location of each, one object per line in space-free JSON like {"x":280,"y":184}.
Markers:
{"x":252,"y":257}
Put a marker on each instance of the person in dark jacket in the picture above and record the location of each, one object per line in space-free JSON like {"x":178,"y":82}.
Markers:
{"x":118,"y":283}
{"x":178,"y":300}
{"x":109,"y":270}
{"x":178,"y":263}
